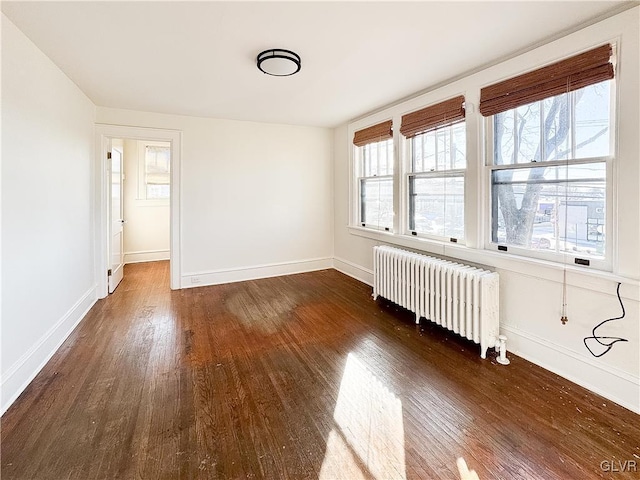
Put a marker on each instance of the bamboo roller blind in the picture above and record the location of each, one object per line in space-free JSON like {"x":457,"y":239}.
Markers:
{"x":435,"y":116}
{"x":566,"y":75}
{"x":375,"y":133}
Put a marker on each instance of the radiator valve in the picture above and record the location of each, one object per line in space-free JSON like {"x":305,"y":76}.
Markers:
{"x":502,"y":349}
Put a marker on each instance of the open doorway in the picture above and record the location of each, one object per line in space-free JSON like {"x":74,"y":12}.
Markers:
{"x":140,"y":185}
{"x":137,"y":201}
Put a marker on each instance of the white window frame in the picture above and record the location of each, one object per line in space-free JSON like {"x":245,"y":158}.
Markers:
{"x":566,"y":258}
{"x":409,"y":173}
{"x":142,"y":199}
{"x":359,"y":177}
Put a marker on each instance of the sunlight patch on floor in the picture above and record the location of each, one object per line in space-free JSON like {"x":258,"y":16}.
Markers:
{"x":367,"y":440}
{"x":465,"y":473}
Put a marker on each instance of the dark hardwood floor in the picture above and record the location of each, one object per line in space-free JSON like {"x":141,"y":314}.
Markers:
{"x":295,"y":377}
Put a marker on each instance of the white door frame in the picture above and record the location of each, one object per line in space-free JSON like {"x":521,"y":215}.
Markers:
{"x":101,"y":201}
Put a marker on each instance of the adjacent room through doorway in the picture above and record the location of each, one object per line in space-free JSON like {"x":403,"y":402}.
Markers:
{"x":139,"y":204}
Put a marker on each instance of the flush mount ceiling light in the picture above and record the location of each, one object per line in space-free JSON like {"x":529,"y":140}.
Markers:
{"x":279,"y":62}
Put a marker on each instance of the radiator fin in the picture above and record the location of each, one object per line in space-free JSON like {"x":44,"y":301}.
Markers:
{"x":460,"y":298}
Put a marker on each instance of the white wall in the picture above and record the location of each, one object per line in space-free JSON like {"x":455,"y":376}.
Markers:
{"x":256,"y":198}
{"x":146,"y":233}
{"x":531,"y":292}
{"x":47,"y":245}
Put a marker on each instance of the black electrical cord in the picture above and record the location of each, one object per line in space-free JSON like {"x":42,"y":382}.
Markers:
{"x":600,"y":339}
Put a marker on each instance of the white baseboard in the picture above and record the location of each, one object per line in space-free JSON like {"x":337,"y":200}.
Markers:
{"x":616,"y":385}
{"x":353,"y":270}
{"x":146,"y":256}
{"x":22,"y":372}
{"x":216,"y":277}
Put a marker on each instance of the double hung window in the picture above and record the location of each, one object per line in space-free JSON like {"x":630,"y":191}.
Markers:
{"x":437,"y":142}
{"x":155,"y":161}
{"x":375,"y":160}
{"x":549,"y":156}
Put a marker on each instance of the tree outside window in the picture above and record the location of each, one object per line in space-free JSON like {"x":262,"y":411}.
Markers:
{"x":548,"y":176}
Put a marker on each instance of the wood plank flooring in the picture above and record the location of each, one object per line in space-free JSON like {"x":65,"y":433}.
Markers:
{"x":295,"y":377}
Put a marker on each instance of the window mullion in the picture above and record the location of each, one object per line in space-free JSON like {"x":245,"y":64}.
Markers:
{"x":516,"y":139}
{"x":436,"y":150}
{"x":451,"y":149}
{"x":423,"y":139}
{"x":543,"y":147}
{"x":362,"y":160}
{"x":572,"y":122}
{"x":365,"y":160}
{"x":412,"y":202}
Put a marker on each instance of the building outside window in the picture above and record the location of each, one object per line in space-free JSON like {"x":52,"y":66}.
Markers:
{"x":549,"y":173}
{"x":374,"y":171}
{"x":436,"y":182}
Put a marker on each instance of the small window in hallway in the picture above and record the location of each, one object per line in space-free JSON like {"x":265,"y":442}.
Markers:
{"x":157,"y":160}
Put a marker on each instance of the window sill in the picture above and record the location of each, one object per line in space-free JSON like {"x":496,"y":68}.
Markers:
{"x":583,"y":277}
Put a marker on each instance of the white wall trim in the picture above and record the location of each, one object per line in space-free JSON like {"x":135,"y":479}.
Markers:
{"x":23,"y":371}
{"x":101,"y":229}
{"x":353,"y":270}
{"x":146,"y":256}
{"x":609,"y":382}
{"x":230,"y":275}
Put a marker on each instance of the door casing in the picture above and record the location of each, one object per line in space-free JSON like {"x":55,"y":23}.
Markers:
{"x":104,"y":132}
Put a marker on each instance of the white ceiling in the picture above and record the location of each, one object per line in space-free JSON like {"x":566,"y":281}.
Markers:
{"x":199,"y":58}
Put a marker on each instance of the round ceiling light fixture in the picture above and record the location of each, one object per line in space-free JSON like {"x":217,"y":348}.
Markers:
{"x":279,"y":62}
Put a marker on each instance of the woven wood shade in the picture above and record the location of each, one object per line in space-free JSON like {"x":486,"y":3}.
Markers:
{"x":432,"y":117}
{"x":567,"y":75}
{"x":376,"y":133}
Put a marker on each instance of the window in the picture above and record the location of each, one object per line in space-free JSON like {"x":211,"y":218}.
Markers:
{"x":542,"y":186}
{"x":374,"y":173}
{"x":550,"y":154}
{"x":437,"y":139}
{"x":376,"y":185}
{"x":155,"y":161}
{"x":549,"y":173}
{"x":436,"y":182}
